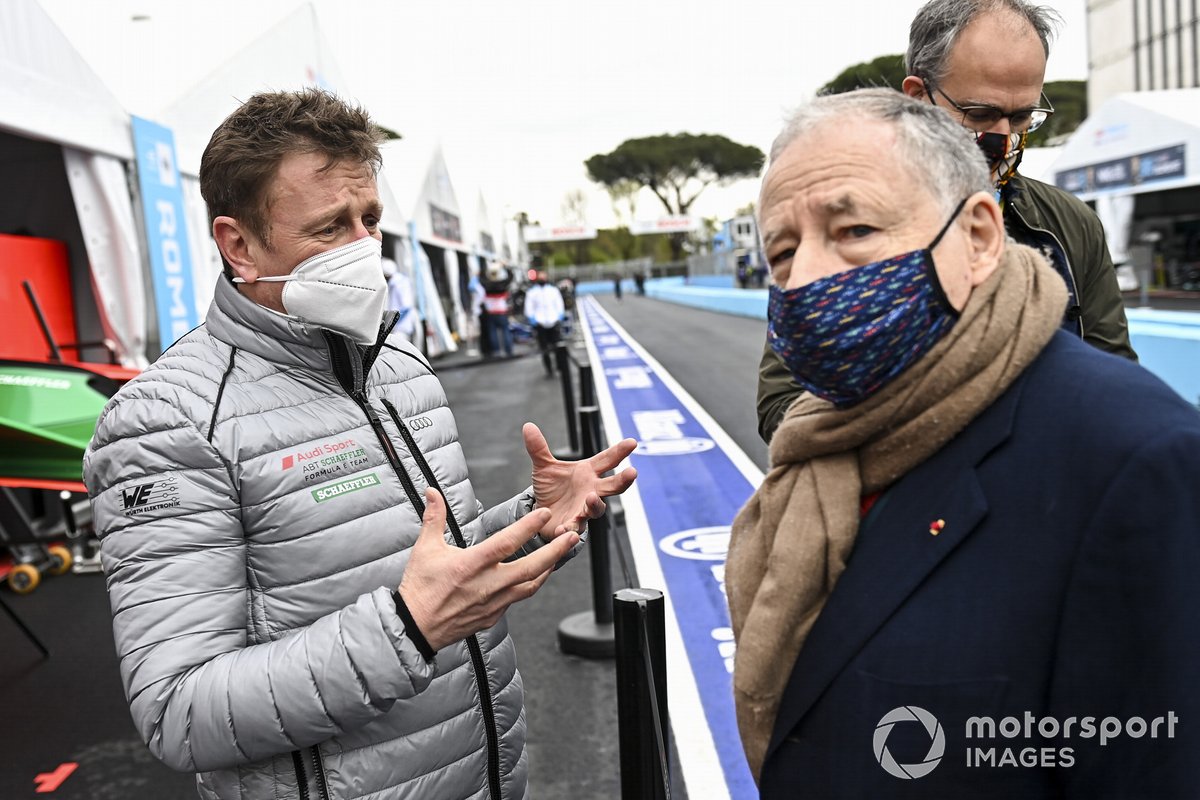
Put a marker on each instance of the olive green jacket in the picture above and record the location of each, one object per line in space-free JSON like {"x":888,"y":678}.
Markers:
{"x":1072,"y":238}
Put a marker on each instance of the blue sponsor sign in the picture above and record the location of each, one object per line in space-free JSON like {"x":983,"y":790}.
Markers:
{"x":1136,"y":170}
{"x":692,"y":480}
{"x":1074,"y":180}
{"x":1112,"y":174}
{"x":1159,"y":165}
{"x":166,"y":230}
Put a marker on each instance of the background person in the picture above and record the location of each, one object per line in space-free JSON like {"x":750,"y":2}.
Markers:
{"x":984,"y":63}
{"x":935,"y":532}
{"x":566,"y":287}
{"x":401,"y":299}
{"x":544,"y":310}
{"x":308,"y":599}
{"x":497,"y":302}
{"x":478,"y":315}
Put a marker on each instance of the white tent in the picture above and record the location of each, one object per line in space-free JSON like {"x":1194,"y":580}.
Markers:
{"x":291,"y":55}
{"x":483,"y":229}
{"x":435,"y":210}
{"x":58,"y":119}
{"x":439,"y":234}
{"x":1135,"y":143}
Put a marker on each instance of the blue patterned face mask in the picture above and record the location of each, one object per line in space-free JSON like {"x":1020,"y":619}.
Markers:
{"x":846,"y":336}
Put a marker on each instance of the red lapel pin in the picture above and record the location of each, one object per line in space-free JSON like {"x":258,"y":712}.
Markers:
{"x":936,"y":526}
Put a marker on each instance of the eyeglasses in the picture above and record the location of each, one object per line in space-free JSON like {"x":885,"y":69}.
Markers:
{"x":982,"y":118}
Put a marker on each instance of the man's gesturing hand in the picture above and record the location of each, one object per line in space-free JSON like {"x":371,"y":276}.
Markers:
{"x":453,"y":592}
{"x":574,"y":490}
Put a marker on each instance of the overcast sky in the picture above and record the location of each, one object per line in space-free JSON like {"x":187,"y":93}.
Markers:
{"x":520,"y":92}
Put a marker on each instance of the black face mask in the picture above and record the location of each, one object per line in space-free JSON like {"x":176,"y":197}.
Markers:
{"x":1003,"y":153}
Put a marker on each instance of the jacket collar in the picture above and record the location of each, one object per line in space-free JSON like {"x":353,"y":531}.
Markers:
{"x":238,"y":321}
{"x":894,"y":553}
{"x":1017,"y":196}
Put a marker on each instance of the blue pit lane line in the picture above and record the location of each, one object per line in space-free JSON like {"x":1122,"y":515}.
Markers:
{"x":692,"y":480}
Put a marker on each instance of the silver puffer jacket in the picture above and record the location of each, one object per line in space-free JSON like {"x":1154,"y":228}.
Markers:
{"x":257,"y":491}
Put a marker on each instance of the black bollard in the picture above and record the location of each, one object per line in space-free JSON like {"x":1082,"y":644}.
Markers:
{"x":587,"y":388}
{"x":642,"y":694}
{"x":563,"y":358}
{"x":590,"y":633}
{"x":598,"y":529}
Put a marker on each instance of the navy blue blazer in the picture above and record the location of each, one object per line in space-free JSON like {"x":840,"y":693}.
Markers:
{"x":1062,"y":584}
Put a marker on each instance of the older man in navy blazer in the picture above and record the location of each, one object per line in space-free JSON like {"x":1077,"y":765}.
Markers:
{"x":974,"y":568}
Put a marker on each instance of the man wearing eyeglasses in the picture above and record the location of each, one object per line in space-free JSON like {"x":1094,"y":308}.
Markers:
{"x":983,"y":62}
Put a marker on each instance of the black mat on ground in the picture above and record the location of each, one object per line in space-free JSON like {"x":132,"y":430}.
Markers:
{"x":69,"y":708}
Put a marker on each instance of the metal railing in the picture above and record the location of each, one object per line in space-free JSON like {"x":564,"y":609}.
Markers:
{"x":588,"y":273}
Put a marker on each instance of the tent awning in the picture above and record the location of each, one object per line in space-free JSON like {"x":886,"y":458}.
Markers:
{"x":48,"y":91}
{"x":431,"y":199}
{"x":1135,"y":143}
{"x":292,"y":55}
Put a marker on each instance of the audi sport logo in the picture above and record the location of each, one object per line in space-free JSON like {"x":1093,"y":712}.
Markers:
{"x":420,"y":423}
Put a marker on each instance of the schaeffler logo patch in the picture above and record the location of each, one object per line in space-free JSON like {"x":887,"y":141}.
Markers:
{"x":151,"y":496}
{"x":345,"y":487}
{"x":323,"y":461}
{"x":937,"y":742}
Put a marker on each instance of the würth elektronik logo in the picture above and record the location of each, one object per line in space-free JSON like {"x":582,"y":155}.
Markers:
{"x":144,"y":498}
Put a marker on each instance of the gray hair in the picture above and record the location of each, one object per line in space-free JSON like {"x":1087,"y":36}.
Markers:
{"x":937,"y":150}
{"x":939,"y":23}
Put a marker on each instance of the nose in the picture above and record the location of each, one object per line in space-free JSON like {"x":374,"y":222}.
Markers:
{"x":810,"y":263}
{"x":361,"y":231}
{"x":1003,"y":125}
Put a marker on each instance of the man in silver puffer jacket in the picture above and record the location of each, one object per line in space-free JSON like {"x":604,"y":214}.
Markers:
{"x":307,"y":596}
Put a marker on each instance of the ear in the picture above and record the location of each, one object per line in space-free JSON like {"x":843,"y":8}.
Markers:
{"x":985,"y":234}
{"x":236,"y":245}
{"x":914,"y":87}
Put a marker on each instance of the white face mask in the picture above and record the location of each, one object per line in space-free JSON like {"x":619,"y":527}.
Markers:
{"x":341,"y":290}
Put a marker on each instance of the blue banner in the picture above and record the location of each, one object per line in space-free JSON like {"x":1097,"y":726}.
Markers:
{"x":1137,"y":170}
{"x":692,"y":480}
{"x":166,"y":230}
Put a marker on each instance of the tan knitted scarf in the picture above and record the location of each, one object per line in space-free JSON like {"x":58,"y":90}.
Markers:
{"x":791,"y":541}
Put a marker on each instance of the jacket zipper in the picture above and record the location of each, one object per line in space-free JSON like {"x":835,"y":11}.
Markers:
{"x":314,"y":751}
{"x":472,"y":642}
{"x":423,"y":465}
{"x":301,"y":778}
{"x":481,"y":681}
{"x":1066,"y":263}
{"x":393,"y":458}
{"x":319,"y":768}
